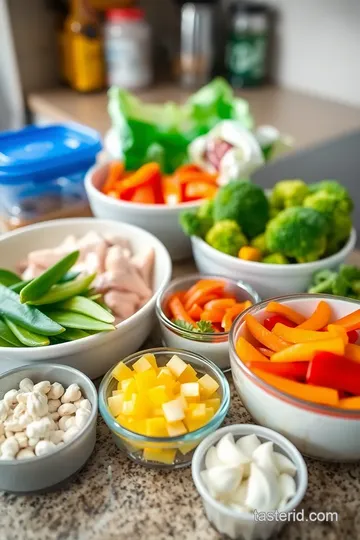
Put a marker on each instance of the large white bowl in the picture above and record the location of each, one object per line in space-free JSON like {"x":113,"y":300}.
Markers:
{"x":93,"y":355}
{"x":267,"y":279}
{"x":316,"y":430}
{"x":160,"y":219}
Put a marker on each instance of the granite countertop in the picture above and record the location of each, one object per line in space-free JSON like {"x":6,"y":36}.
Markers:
{"x":112,"y":498}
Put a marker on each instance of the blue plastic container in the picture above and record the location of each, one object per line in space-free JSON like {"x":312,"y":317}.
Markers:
{"x":42,"y":172}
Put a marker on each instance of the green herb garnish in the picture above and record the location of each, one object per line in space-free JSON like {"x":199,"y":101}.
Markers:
{"x":204,"y":327}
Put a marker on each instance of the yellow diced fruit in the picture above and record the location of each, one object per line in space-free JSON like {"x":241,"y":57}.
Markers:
{"x":128,"y":408}
{"x":138,"y":407}
{"x":151,"y":359}
{"x":121,"y":372}
{"x":141,"y":365}
{"x":187,"y":447}
{"x":129,"y":388}
{"x":156,"y":427}
{"x":115,"y":404}
{"x":208,"y":386}
{"x":125,"y":421}
{"x":196,"y":423}
{"x":157,"y":411}
{"x":145,"y":380}
{"x":173,"y":410}
{"x":139,"y":426}
{"x":176,"y":366}
{"x":176,"y":389}
{"x":184,"y":402}
{"x":116,"y":392}
{"x":196,"y":410}
{"x":176,"y":429}
{"x":159,"y":395}
{"x":188,"y":375}
{"x":161,"y":455}
{"x":190,"y":391}
{"x":165,"y":378}
{"x":213,"y":402}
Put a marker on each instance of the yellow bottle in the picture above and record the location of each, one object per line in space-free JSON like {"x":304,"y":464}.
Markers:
{"x":84,"y":62}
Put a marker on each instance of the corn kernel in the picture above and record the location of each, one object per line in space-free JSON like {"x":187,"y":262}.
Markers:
{"x":208,"y":386}
{"x":159,"y":395}
{"x":121,"y":372}
{"x":115,"y":404}
{"x":141,"y":365}
{"x":190,"y":391}
{"x":176,"y":429}
{"x":165,"y":455}
{"x":173,"y":410}
{"x":156,"y":427}
{"x":176,"y":366}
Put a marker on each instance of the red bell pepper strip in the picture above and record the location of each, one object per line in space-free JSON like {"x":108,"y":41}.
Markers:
{"x":333,"y":371}
{"x":291,"y":370}
{"x":270,"y":322}
{"x":353,"y":336}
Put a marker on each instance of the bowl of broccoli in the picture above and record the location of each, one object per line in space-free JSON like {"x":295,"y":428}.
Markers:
{"x":275,"y":241}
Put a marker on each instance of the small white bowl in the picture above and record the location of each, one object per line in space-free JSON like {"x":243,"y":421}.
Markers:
{"x":236,"y":524}
{"x":160,"y":219}
{"x":267,"y":279}
{"x":93,"y":355}
{"x":318,"y":431}
{"x":48,"y":471}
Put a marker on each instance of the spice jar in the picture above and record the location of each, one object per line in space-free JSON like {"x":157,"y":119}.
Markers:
{"x":246,"y":49}
{"x":128,"y":48}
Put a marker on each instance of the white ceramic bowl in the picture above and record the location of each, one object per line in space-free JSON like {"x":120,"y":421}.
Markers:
{"x":47,"y":471}
{"x":93,"y":355}
{"x":230,"y":522}
{"x":160,"y":219}
{"x":215,"y":347}
{"x":316,"y":430}
{"x":267,"y":279}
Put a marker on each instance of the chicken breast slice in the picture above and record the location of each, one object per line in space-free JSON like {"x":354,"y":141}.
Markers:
{"x":121,"y":304}
{"x":114,"y":239}
{"x":32,"y":271}
{"x":117,"y":258}
{"x":129,"y":281}
{"x":145,"y":265}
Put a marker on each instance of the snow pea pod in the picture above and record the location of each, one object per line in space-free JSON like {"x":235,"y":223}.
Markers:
{"x":85,"y":306}
{"x":4,"y":343}
{"x":39,"y":286}
{"x":72,"y":334}
{"x":29,"y":339}
{"x":28,"y":317}
{"x":68,"y":319}
{"x":59,"y":293}
{"x":69,"y":276}
{"x":7,"y":335}
{"x":8,"y":278}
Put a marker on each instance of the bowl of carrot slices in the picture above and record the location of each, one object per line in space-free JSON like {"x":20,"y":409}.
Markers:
{"x":150,"y":199}
{"x":295,"y":362}
{"x":196,"y":313}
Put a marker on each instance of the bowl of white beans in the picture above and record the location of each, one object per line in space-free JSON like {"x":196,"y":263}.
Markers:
{"x":48,"y":418}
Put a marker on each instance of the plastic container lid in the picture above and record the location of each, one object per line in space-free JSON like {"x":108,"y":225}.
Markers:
{"x":125,"y":14}
{"x":46,"y":152}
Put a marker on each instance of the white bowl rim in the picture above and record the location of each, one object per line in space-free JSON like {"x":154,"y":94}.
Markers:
{"x":333,"y":412}
{"x":93,"y":414}
{"x":137,"y":207}
{"x":62,"y":348}
{"x":277,"y":269}
{"x":242,"y":430}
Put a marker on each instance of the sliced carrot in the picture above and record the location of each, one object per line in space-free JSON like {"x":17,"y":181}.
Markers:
{"x":352,"y":352}
{"x":307,"y":392}
{"x":266,"y":352}
{"x":264,"y":336}
{"x":144,"y":195}
{"x":221,"y":303}
{"x":304,"y":352}
{"x":248,"y":353}
{"x":207,"y":298}
{"x":195,"y":312}
{"x":282,"y":309}
{"x":350,"y":403}
{"x":178,"y":311}
{"x":214,"y":315}
{"x":350,"y":322}
{"x":319,"y":319}
{"x":199,"y":190}
{"x":172,"y":191}
{"x":203,"y":291}
{"x":200,"y":285}
{"x":115,"y":172}
{"x":297,"y":335}
{"x":232,"y":312}
{"x":148,"y":174}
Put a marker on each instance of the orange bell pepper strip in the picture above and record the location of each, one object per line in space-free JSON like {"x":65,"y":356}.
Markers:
{"x":144,"y":195}
{"x":337,"y":331}
{"x":266,"y":352}
{"x":248,"y":353}
{"x":304,"y":352}
{"x":352,"y":352}
{"x":171,"y":190}
{"x":264,"y":336}
{"x":201,"y":290}
{"x":350,"y":322}
{"x":297,"y":335}
{"x":319,"y":319}
{"x":195,"y":312}
{"x":221,"y":303}
{"x":115,"y":172}
{"x":232,"y":312}
{"x":282,"y":309}
{"x":199,"y":190}
{"x":350,"y":403}
{"x":201,"y":284}
{"x":148,"y":175}
{"x":213,"y":315}
{"x":186,"y":177}
{"x":178,"y":311}
{"x":307,"y":392}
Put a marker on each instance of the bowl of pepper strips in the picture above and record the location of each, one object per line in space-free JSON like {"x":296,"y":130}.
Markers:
{"x":150,"y":199}
{"x":295,"y":362}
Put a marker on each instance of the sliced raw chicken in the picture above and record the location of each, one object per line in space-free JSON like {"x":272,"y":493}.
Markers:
{"x":145,"y":264}
{"x":121,"y":304}
{"x":32,"y":271}
{"x":114,"y":239}
{"x":117,"y":259}
{"x":122,"y":281}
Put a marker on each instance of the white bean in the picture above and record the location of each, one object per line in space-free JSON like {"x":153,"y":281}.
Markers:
{"x":26,"y":385}
{"x":56,"y":391}
{"x":21,"y":439}
{"x":22,"y":397}
{"x":40,"y":428}
{"x":72,"y":393}
{"x":44,"y":447}
{"x":25,"y":453}
{"x":70,"y":422}
{"x":67,"y":409}
{"x":33,"y":441}
{"x":56,"y":437}
{"x":82,"y":417}
{"x":8,"y":433}
{"x":19,"y":410}
{"x":85,"y":404}
{"x":62,"y":422}
{"x":43,"y":387}
{"x":10,"y":397}
{"x":2,"y":430}
{"x":37,"y":405}
{"x":4,"y":409}
{"x":13,"y":425}
{"x":55,"y":416}
{"x":25,"y":419}
{"x":53,"y":405}
{"x":70,"y":434}
{"x":10,"y":447}
{"x":2,"y":439}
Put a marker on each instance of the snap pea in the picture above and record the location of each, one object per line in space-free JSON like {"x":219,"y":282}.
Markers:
{"x":68,"y":319}
{"x":29,"y":339}
{"x":59,"y":293}
{"x":7,"y":335}
{"x":69,"y":276}
{"x":8,"y":278}
{"x":95,"y":297}
{"x":72,"y":334}
{"x":41,"y":285}
{"x":4,"y":343}
{"x":28,"y":317}
{"x":85,"y":306}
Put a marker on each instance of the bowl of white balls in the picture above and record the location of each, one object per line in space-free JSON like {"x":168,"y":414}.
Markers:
{"x":47,"y":426}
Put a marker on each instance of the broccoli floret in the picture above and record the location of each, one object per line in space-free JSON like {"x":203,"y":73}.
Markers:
{"x":275,"y":258}
{"x":259,"y":242}
{"x":337,"y":190}
{"x":288,"y":193}
{"x":340,"y":233}
{"x":349,"y":272}
{"x":245,"y":203}
{"x":323,"y":275}
{"x":298,"y":233}
{"x":198,"y":223}
{"x":226,"y":236}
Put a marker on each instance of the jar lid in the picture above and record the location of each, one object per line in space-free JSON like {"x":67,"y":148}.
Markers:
{"x":125,"y":14}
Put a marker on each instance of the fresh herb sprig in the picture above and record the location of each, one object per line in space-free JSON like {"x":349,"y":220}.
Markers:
{"x":203,"y":327}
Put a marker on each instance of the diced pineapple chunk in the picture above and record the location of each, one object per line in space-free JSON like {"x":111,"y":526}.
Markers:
{"x":157,"y":411}
{"x":208,"y":386}
{"x":173,"y":410}
{"x":116,"y":392}
{"x":129,"y":388}
{"x":137,"y":407}
{"x":176,"y":429}
{"x":141,"y":365}
{"x":115,"y":404}
{"x":156,"y":427}
{"x":188,"y":375}
{"x":176,"y":366}
{"x":176,"y":389}
{"x":213,"y":402}
{"x":145,"y":380}
{"x":190,"y":391}
{"x":184,"y":402}
{"x":139,"y":426}
{"x":161,"y":455}
{"x":165,"y":378}
{"x":121,"y":372}
{"x":187,"y":447}
{"x":196,"y":423}
{"x":159,"y":395}
{"x":151,"y":359}
{"x":126,"y":421}
{"x":196,"y":410}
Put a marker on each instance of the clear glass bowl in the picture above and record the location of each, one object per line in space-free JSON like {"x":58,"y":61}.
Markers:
{"x":212,"y":346}
{"x":133,"y":444}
